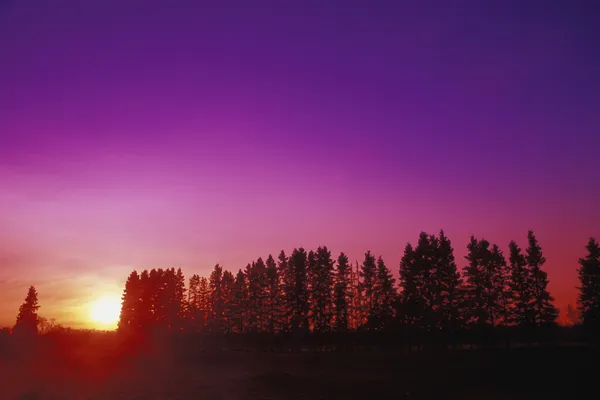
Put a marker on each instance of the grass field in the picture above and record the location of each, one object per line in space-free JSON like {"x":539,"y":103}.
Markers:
{"x":526,"y":373}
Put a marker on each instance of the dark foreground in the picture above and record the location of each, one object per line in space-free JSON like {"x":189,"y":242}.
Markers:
{"x":525,"y":373}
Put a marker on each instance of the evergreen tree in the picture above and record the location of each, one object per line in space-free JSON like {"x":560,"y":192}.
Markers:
{"x":368,"y":274}
{"x":215,"y":283}
{"x":384,"y":297}
{"x":129,"y":319}
{"x":543,"y":310}
{"x":204,"y":304}
{"x":256,"y":273}
{"x":321,"y":289}
{"x":194,"y":317}
{"x":589,"y":290}
{"x":274,"y":295}
{"x":519,"y":287}
{"x":297,"y":298}
{"x":240,"y":303}
{"x":286,"y":292}
{"x":342,"y":294}
{"x":484,"y":283}
{"x":144,"y":311}
{"x":28,"y":319}
{"x":228,"y":283}
{"x":418,"y":286}
{"x":449,"y":283}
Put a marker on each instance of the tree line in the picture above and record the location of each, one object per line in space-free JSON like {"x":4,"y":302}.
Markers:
{"x":311,"y":292}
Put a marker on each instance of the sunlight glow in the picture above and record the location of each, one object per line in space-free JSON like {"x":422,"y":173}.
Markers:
{"x":105,"y":311}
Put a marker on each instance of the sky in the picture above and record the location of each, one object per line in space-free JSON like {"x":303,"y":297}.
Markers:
{"x":147,"y":134}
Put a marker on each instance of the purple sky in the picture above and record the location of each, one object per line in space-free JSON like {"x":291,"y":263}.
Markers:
{"x":141,"y":134}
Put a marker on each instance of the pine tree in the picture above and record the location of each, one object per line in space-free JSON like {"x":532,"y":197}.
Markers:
{"x":28,"y":319}
{"x":520,"y":287}
{"x":321,"y":286}
{"x":240,"y":303}
{"x":589,"y":290}
{"x":204,"y":304}
{"x":256,"y":273}
{"x":384,"y":297}
{"x":449,"y":283}
{"x":409,"y":296}
{"x":129,"y":319}
{"x":194,"y":318}
{"x":368,"y":274}
{"x":286,"y":289}
{"x":342,"y":294}
{"x":215,"y":283}
{"x":297,"y":298}
{"x":542,"y":308}
{"x":485,"y":283}
{"x":228,"y":283}
{"x":145,"y":307}
{"x":416,"y":282}
{"x":274,"y":295}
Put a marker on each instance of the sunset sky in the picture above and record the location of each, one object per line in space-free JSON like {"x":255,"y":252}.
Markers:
{"x":142,"y":134}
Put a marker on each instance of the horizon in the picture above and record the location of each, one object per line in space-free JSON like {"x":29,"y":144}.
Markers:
{"x":136,"y":137}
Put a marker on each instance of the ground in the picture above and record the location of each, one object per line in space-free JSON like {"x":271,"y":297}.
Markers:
{"x":550,"y":373}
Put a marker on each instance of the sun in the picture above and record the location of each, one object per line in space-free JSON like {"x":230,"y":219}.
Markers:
{"x":105,"y":311}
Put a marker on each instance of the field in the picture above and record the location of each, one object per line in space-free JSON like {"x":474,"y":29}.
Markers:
{"x":97,"y":373}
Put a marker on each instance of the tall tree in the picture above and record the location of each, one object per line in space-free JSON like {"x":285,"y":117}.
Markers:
{"x":449,"y":283}
{"x":28,"y":319}
{"x":215,"y":283}
{"x":418,"y":285}
{"x":204,"y":304}
{"x":194,"y":303}
{"x":342,"y":294}
{"x":321,"y":289}
{"x":368,"y":274}
{"x":542,"y":308}
{"x":240,"y":303}
{"x":297,"y":298}
{"x":129,"y":319}
{"x":484,"y":283}
{"x":520,"y":287}
{"x":384,"y":297}
{"x":274,"y":294}
{"x":589,"y":290}
{"x":228,"y":284}
{"x":286,"y":291}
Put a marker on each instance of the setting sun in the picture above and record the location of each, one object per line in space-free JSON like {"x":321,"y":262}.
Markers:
{"x":105,"y":311}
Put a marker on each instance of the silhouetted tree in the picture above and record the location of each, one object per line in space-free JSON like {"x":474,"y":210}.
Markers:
{"x":27,"y":319}
{"x":384,"y":297}
{"x":368,"y":274}
{"x":228,"y":287}
{"x":589,"y":290}
{"x":286,"y":292}
{"x":297,"y":298}
{"x":204,"y":303}
{"x":129,"y":319}
{"x":485,"y":283}
{"x":520,"y":287}
{"x":543,"y":311}
{"x":274,"y":295}
{"x":256,"y":274}
{"x":342,"y":294}
{"x":194,"y":317}
{"x":321,"y":289}
{"x":449,"y":295}
{"x":217,"y":301}
{"x":240,"y":303}
{"x":418,"y":286}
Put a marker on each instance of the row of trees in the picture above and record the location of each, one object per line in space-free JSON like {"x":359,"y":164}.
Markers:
{"x":310,"y":292}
